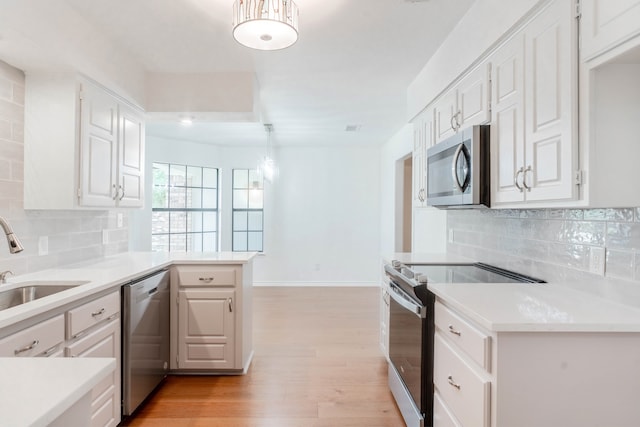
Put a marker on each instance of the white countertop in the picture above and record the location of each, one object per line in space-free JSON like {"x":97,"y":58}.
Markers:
{"x":35,"y":391}
{"x":103,"y":274}
{"x":550,"y":307}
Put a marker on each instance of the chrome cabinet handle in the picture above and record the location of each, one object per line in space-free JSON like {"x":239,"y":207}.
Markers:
{"x":51,"y":350}
{"x":115,"y":193}
{"x":452,"y":383}
{"x":206,"y":279}
{"x":98,"y":313}
{"x":27,"y":348}
{"x":524,"y":177}
{"x":454,"y":331}
{"x":454,"y":122}
{"x":230,"y":301}
{"x":120,"y":187}
{"x":515,"y":180}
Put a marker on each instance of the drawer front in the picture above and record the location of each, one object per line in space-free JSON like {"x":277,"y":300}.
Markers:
{"x":472,"y":341}
{"x":462,"y":389}
{"x":92,"y":313}
{"x":35,"y":339}
{"x":441,"y":415}
{"x":208,"y":276}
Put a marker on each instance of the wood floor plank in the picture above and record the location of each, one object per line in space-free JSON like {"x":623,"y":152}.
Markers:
{"x":317,"y":363}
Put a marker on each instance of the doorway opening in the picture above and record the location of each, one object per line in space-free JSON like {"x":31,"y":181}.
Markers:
{"x":404,"y":201}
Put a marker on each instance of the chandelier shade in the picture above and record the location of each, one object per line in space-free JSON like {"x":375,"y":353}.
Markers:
{"x":265,"y":24}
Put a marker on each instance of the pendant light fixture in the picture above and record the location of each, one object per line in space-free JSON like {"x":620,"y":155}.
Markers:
{"x":265,"y":24}
{"x":267,"y":166}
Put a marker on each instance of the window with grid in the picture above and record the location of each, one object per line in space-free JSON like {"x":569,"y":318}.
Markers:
{"x":184,"y":208}
{"x":248,"y":210}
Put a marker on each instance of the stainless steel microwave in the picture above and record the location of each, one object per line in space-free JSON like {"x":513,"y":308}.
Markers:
{"x":458,"y":170}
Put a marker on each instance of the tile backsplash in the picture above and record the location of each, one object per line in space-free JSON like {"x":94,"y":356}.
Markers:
{"x":73,"y":236}
{"x":554,"y":245}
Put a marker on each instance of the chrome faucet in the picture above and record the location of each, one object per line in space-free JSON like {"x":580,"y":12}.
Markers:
{"x":14,"y":244}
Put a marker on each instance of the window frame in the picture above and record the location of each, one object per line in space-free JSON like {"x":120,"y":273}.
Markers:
{"x":248,"y":210}
{"x":187,"y":188}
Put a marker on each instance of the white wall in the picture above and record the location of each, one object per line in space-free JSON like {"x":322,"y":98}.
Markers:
{"x":321,"y":212}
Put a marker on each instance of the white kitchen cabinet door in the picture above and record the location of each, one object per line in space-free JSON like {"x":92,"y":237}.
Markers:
{"x":131,"y":157}
{"x":422,"y":139}
{"x":606,"y":24}
{"x":473,"y":97}
{"x":98,"y":147}
{"x":445,"y":110}
{"x":206,"y":329}
{"x":507,"y":123}
{"x":551,"y":103}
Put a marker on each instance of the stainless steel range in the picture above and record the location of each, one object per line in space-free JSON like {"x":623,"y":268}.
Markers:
{"x":411,"y":328}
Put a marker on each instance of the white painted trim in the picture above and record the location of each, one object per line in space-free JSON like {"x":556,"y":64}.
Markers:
{"x":318,"y":284}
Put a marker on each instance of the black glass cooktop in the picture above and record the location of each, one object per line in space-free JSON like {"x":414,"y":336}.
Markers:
{"x":466,"y":273}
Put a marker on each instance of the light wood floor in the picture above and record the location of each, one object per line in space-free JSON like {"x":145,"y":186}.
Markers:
{"x":317,"y":363}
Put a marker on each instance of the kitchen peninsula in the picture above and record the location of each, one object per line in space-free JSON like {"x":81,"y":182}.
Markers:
{"x":84,"y":320}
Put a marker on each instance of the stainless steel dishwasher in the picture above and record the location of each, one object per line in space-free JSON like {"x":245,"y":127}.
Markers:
{"x":145,"y":338}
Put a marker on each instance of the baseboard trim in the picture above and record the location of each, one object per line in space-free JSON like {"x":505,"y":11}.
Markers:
{"x":319,"y":284}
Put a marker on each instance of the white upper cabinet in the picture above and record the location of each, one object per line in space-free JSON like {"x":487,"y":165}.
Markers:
{"x":507,"y":123}
{"x":422,"y":139}
{"x":466,"y":104}
{"x":607,"y":24}
{"x":534,"y":117}
{"x":84,"y":146}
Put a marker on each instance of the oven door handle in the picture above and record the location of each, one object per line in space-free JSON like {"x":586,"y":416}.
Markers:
{"x":398,"y":296}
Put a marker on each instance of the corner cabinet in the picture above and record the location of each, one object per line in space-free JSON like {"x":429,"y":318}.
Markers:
{"x":211,"y":318}
{"x":534,"y":115}
{"x":84,"y":145}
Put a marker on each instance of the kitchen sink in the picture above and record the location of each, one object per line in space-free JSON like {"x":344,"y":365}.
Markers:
{"x":30,"y":291}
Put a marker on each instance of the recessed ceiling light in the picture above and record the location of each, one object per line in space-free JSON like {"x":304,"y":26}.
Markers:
{"x":186,"y":121}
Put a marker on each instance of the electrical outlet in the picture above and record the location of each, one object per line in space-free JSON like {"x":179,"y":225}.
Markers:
{"x":105,"y":237}
{"x":597,"y":260}
{"x":43,"y":245}
{"x":451,"y":235}
{"x":119,"y":219}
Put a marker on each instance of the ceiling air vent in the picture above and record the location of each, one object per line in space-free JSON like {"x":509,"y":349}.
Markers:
{"x":352,"y":128}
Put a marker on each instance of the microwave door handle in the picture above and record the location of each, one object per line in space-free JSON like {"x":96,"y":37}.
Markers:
{"x":454,"y":168}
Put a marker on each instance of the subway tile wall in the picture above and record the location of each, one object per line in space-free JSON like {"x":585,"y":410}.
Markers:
{"x":73,"y":236}
{"x":554,"y":245}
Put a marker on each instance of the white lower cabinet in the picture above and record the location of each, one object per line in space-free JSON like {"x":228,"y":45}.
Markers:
{"x":93,"y":330}
{"x":211,"y":319}
{"x":531,"y":378}
{"x":206,"y":329}
{"x":102,"y":341}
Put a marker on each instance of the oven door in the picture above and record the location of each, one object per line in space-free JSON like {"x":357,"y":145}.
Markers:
{"x":407,"y":326}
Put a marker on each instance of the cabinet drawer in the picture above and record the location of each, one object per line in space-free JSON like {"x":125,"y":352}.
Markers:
{"x":441,"y":415}
{"x":472,"y":341}
{"x":207,"y":276}
{"x":91,"y":313}
{"x":462,"y":389}
{"x":35,"y":339}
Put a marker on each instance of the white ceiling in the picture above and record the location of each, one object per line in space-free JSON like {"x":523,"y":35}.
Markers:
{"x":351,"y":65}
